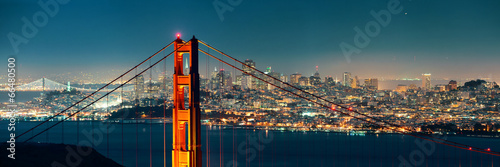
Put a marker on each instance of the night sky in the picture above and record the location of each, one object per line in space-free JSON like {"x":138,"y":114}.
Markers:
{"x":448,"y":38}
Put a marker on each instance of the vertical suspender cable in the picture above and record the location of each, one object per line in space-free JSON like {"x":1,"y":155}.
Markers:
{"x":47,"y":135}
{"x":137,"y":100}
{"x":150,"y":116}
{"x":234,"y":156}
{"x":221,"y":88}
{"x":92,"y":128}
{"x":123,"y":117}
{"x":207,"y":86}
{"x":246,"y":144}
{"x":233,"y":147}
{"x":107,"y":127}
{"x":62,"y":131}
{"x":77,"y":126}
{"x":163,"y":85}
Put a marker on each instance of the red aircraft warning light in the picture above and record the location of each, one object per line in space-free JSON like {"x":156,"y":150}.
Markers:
{"x":488,"y":149}
{"x":178,"y":35}
{"x":470,"y":148}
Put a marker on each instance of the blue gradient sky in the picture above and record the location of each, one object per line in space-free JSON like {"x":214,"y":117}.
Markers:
{"x":448,"y":38}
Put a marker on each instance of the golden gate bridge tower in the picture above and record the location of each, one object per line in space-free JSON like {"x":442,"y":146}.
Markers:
{"x":186,"y":152}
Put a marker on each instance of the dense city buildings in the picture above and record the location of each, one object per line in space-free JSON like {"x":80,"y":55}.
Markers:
{"x":248,"y":101}
{"x":371,"y":83}
{"x":245,"y":100}
{"x":329,"y":81}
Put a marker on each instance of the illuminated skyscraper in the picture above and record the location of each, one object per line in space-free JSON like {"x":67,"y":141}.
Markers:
{"x":139,"y":86}
{"x":426,"y":81}
{"x":315,"y":79}
{"x":294,"y":78}
{"x":248,"y":69}
{"x":249,"y":80}
{"x":355,"y":82}
{"x":163,"y":81}
{"x":347,"y":81}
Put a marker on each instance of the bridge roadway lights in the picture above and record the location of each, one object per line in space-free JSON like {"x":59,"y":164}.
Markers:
{"x":186,"y":152}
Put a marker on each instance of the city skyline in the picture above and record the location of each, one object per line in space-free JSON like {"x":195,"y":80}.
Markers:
{"x":413,"y":42}
{"x":238,"y":82}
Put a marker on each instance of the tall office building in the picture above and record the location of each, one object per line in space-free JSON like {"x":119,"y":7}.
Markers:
{"x":426,"y":81}
{"x":294,"y":78}
{"x":163,"y":81}
{"x":247,"y":69}
{"x":355,"y":82}
{"x":139,"y":86}
{"x":250,"y":82}
{"x":315,"y":79}
{"x":347,"y":81}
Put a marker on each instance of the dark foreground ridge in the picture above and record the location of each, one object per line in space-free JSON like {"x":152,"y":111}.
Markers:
{"x":53,"y":155}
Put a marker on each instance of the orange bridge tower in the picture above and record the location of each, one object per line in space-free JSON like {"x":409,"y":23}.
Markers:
{"x":186,"y":121}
